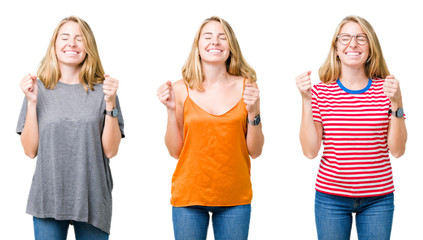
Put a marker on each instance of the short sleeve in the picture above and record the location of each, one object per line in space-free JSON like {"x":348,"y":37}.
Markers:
{"x":315,"y":104}
{"x":120,"y":118}
{"x":22,"y":117}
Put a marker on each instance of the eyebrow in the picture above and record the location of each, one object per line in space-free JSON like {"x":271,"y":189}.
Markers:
{"x":212,"y":33}
{"x":353,"y":34}
{"x":67,"y":34}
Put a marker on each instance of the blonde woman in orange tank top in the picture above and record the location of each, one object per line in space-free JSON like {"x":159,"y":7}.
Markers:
{"x":213,"y":129}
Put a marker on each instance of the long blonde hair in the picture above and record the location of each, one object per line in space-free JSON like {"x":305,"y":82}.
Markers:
{"x":91,"y":68}
{"x":375,"y":66}
{"x":235,"y":64}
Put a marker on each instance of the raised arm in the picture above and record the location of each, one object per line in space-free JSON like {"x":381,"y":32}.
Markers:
{"x":397,"y":132}
{"x":111,"y":133}
{"x":311,"y":132}
{"x":29,"y":135}
{"x":171,"y":95}
{"x":255,"y":137}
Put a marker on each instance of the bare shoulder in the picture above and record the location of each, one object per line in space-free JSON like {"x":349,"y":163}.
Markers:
{"x":239,"y":80}
{"x":180,"y":89}
{"x":179,"y":84}
{"x":248,"y":81}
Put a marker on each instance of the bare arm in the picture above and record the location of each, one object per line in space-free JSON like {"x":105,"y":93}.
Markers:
{"x":171,"y":95}
{"x":255,"y":137}
{"x":29,"y":135}
{"x":397,"y":132}
{"x":311,"y":132}
{"x":111,"y":133}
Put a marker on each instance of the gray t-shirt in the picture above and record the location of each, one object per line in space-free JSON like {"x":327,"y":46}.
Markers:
{"x":72,"y":179}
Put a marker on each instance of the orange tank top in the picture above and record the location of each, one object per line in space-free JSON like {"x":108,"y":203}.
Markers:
{"x":214,"y":166}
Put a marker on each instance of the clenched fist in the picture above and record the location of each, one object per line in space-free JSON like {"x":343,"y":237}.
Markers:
{"x":303,"y":82}
{"x":392,"y":89}
{"x":166,"y":95}
{"x":29,"y":87}
{"x":251,"y":98}
{"x":110,"y":87}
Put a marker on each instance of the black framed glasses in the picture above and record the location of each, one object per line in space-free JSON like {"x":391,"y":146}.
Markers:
{"x":345,"y":38}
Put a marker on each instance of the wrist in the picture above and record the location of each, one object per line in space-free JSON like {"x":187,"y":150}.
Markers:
{"x":254,"y":121}
{"x":171,"y":110}
{"x":396,"y":101}
{"x":395,"y":105}
{"x":252,"y":115}
{"x":110,"y":105}
{"x":306,"y":100}
{"x":32,"y":104}
{"x":397,"y":111}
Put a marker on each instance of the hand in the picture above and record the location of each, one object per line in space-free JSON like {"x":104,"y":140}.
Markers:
{"x":29,"y":87}
{"x":303,"y":82}
{"x":252,"y":99}
{"x":110,"y":87}
{"x":166,"y":95}
{"x":392,"y":89}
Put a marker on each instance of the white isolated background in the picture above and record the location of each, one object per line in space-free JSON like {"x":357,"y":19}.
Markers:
{"x":144,"y":43}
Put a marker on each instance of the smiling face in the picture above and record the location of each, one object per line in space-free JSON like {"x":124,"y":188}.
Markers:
{"x":213,"y":44}
{"x":70,"y":47}
{"x":352,"y":54}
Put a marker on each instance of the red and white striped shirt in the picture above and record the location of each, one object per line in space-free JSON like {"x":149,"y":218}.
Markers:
{"x":355,"y":161}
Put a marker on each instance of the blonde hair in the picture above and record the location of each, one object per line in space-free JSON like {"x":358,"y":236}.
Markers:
{"x":375,"y":66}
{"x":91,"y":68}
{"x":235,"y":64}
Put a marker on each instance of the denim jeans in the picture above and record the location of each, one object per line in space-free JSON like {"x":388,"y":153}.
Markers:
{"x":52,"y":229}
{"x":373,"y":218}
{"x":229,"y":223}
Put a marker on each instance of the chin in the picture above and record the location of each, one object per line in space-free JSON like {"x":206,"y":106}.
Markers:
{"x":214,"y":61}
{"x":354,"y":64}
{"x":72,"y":63}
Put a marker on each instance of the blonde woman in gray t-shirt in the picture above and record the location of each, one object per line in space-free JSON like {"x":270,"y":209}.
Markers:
{"x":71,"y":121}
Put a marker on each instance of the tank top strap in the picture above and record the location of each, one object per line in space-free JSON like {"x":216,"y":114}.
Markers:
{"x":243,"y":86}
{"x":186,"y":85}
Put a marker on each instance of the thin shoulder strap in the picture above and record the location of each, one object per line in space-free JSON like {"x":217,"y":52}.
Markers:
{"x":186,"y":85}
{"x":243,"y":86}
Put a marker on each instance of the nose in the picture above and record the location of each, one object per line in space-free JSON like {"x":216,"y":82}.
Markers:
{"x":71,"y":42}
{"x":215,"y":41}
{"x":353,"y":41}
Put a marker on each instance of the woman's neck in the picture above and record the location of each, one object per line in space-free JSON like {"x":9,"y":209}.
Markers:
{"x":214,"y":74}
{"x":69,"y":74}
{"x":354,"y":78}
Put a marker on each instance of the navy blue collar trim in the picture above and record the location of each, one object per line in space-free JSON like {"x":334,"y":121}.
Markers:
{"x":354,"y":91}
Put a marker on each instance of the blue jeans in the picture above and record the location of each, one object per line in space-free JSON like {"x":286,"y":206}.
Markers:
{"x":52,"y":229}
{"x":373,"y":218}
{"x":229,"y":223}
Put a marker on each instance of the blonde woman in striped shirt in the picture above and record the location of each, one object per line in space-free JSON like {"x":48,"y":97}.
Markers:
{"x":357,"y":112}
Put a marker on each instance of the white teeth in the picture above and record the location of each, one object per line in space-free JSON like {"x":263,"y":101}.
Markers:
{"x":214,"y":51}
{"x":71,"y":53}
{"x":352,"y":54}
